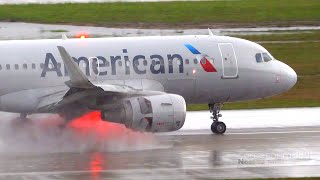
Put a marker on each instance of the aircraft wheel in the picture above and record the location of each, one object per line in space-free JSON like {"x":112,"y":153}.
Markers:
{"x":214,"y":127}
{"x":218,"y":127}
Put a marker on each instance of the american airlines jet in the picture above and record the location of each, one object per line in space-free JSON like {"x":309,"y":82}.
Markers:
{"x":141,"y":82}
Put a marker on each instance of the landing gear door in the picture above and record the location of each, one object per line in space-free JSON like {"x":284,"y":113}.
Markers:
{"x":229,"y":61}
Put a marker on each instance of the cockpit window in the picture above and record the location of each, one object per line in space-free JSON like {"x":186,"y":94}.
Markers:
{"x":259,"y":58}
{"x":266,"y":57}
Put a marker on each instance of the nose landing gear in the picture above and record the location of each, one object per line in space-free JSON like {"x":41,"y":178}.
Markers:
{"x":217,"y":126}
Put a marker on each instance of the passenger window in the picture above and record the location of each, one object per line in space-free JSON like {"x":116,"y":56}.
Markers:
{"x":8,"y":66}
{"x":25,"y":66}
{"x":266,"y":57}
{"x":203,"y":61}
{"x":16,"y":66}
{"x":0,"y":67}
{"x":195,"y":61}
{"x":259,"y":58}
{"x":187,"y":61}
{"x":33,"y":66}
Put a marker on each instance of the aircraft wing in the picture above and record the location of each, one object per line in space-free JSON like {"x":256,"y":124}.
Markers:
{"x":77,"y":78}
{"x":81,"y":89}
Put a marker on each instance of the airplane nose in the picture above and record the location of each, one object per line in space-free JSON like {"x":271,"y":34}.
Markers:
{"x":292,"y":76}
{"x":289,"y":76}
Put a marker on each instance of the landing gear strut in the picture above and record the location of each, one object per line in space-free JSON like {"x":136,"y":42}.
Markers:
{"x":23,"y":116}
{"x":21,"y":121}
{"x":217,"y":126}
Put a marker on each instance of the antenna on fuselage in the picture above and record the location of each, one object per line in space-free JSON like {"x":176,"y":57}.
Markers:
{"x":210,"y":32}
{"x":64,"y":37}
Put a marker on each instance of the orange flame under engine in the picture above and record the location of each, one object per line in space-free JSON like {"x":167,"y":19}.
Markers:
{"x":91,"y":125}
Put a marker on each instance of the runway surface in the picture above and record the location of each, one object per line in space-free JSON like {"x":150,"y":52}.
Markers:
{"x":258,"y":118}
{"x":250,"y":151}
{"x":245,"y":153}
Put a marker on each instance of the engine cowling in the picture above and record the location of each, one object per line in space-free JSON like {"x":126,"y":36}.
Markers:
{"x":159,"y":113}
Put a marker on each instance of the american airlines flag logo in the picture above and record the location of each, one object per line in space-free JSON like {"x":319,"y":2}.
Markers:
{"x":205,"y":63}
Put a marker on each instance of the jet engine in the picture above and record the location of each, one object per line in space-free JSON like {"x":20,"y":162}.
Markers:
{"x":159,"y":113}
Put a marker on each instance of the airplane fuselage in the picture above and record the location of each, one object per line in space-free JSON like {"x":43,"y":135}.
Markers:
{"x":202,"y":69}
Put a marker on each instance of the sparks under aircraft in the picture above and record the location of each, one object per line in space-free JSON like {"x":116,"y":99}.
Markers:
{"x":141,"y":82}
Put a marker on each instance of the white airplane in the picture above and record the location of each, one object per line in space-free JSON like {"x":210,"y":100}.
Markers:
{"x":141,"y":82}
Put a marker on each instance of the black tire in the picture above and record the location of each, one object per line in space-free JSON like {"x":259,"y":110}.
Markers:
{"x":220,"y":128}
{"x":214,"y":127}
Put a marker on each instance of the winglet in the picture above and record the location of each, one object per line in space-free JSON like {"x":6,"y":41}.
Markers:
{"x":210,"y":32}
{"x":77,"y":78}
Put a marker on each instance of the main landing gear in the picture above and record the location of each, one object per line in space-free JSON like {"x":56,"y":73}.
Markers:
{"x":21,"y":121}
{"x":217,"y":126}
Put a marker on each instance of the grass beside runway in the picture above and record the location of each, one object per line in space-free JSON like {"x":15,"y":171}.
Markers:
{"x":304,"y":58}
{"x":305,"y":178}
{"x":177,"y":14}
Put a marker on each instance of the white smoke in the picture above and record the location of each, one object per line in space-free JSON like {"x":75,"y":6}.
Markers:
{"x":43,"y":134}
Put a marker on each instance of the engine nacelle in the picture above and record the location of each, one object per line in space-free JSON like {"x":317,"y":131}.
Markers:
{"x":160,"y":113}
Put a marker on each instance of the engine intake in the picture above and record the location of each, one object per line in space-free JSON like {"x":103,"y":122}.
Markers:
{"x":160,"y":113}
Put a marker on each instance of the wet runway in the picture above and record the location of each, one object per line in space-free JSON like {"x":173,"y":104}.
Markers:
{"x":189,"y":154}
{"x":20,"y":30}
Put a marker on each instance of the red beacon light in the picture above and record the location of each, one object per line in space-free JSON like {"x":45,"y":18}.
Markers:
{"x":82,"y":35}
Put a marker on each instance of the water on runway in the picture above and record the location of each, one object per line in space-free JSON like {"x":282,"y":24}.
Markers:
{"x":204,"y":156}
{"x":86,"y":150}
